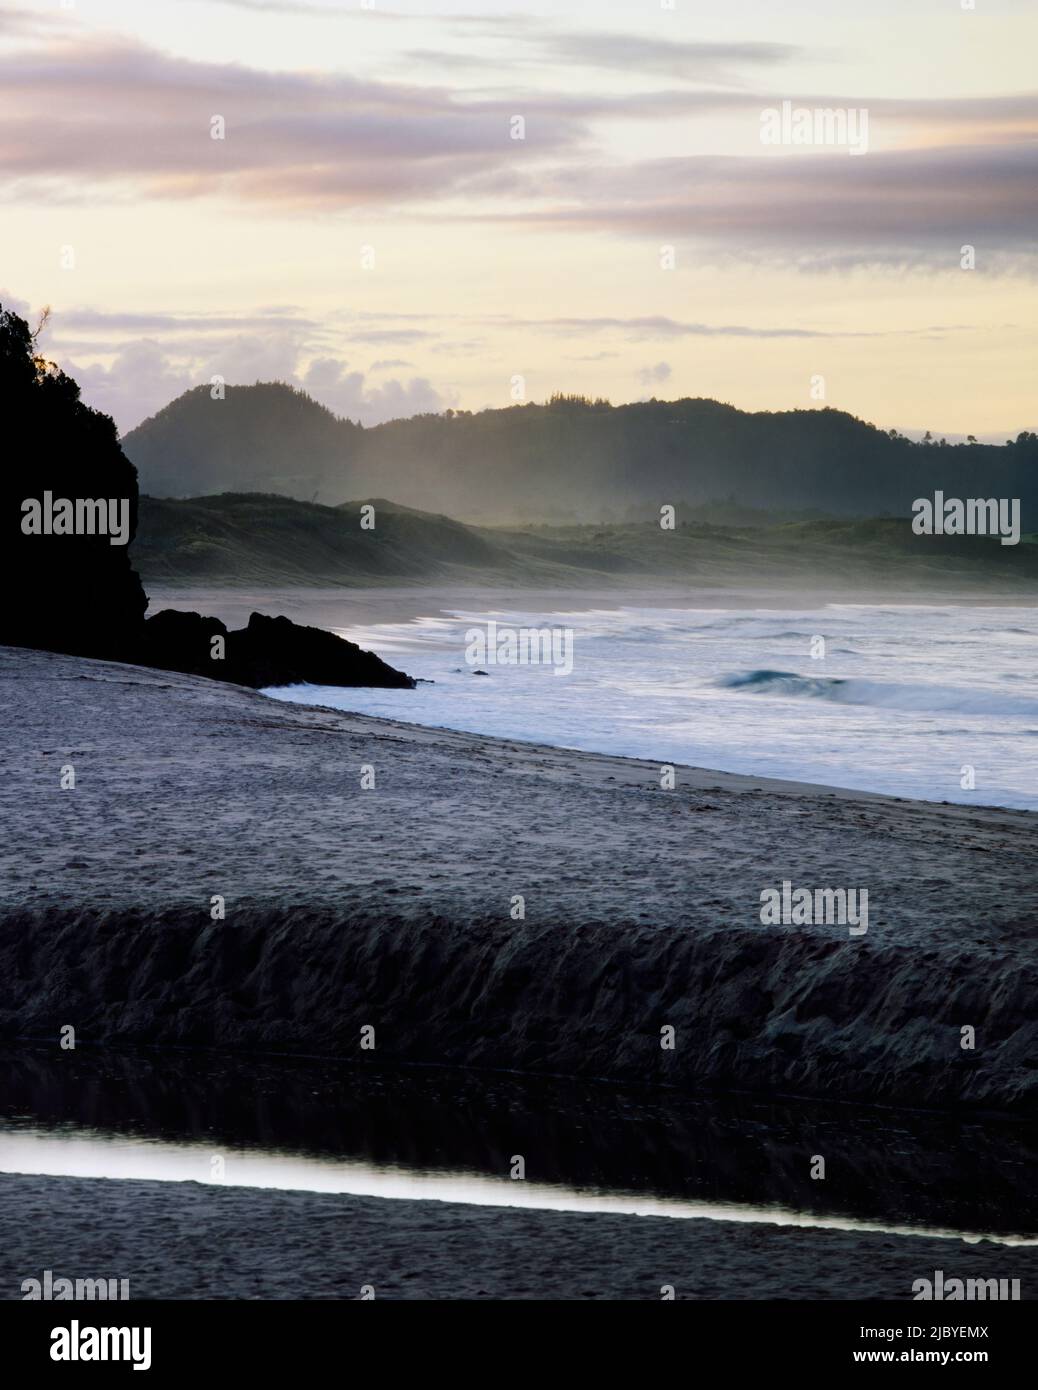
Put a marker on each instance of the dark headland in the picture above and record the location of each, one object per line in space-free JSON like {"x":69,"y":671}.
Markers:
{"x":76,"y":592}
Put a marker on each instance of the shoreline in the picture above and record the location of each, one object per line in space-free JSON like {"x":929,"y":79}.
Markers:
{"x":729,"y":689}
{"x":370,"y":604}
{"x":390,"y":908}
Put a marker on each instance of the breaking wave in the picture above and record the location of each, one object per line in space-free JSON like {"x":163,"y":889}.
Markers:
{"x":919,"y":697}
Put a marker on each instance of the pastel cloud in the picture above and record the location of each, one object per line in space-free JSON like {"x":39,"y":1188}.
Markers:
{"x":115,"y":111}
{"x":104,"y":112}
{"x":903,"y":206}
{"x":139,"y":376}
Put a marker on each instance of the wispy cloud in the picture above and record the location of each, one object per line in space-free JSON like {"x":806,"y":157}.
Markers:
{"x":119,"y":324}
{"x":658,"y":326}
{"x":901,"y":206}
{"x":665,"y":57}
{"x":113,"y":111}
{"x":15,"y":23}
{"x":110,"y":116}
{"x":639,"y":56}
{"x":333,"y":9}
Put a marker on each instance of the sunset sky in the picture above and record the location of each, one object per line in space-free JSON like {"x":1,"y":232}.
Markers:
{"x":385,"y":133}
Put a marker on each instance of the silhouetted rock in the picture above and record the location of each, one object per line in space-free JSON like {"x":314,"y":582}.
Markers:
{"x":269,"y":651}
{"x":67,"y":491}
{"x":176,"y":641}
{"x":68,"y":512}
{"x":276,"y":651}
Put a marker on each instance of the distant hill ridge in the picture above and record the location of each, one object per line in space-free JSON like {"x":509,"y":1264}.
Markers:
{"x":569,"y":460}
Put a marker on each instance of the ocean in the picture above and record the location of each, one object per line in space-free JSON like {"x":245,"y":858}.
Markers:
{"x":932,"y":702}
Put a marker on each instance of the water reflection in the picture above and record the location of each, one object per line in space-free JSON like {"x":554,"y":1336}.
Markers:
{"x":93,"y":1154}
{"x":327,"y":1127}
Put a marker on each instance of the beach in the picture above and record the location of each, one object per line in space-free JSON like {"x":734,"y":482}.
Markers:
{"x":490,"y":903}
{"x":220,"y":878}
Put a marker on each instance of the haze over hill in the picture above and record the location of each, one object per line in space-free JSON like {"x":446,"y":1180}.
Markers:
{"x":567,"y":461}
{"x":250,"y":539}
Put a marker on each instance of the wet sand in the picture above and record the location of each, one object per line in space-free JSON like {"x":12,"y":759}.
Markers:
{"x":189,"y":1240}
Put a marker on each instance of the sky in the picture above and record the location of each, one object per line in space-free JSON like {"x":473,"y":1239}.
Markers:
{"x":423,"y":206}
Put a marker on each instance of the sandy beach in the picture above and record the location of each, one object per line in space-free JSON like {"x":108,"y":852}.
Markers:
{"x":392,"y":907}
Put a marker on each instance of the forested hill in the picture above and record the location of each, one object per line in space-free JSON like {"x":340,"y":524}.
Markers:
{"x":264,"y":438}
{"x":570,"y":460}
